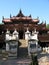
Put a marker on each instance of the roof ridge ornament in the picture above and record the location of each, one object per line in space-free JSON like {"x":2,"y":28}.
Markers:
{"x":45,"y":21}
{"x":10,"y":16}
{"x":30,"y":15}
{"x":3,"y":17}
{"x":20,"y":14}
{"x":37,"y":17}
{"x":20,"y":11}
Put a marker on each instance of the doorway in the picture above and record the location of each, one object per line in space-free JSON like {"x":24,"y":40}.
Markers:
{"x":21,"y":34}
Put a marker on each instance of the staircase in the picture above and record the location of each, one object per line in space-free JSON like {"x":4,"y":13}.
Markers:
{"x":23,"y":43}
{"x":23,"y":50}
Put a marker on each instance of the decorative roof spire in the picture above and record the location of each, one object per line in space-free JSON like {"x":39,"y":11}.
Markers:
{"x":20,"y":14}
{"x":37,"y":17}
{"x":42,"y":22}
{"x":45,"y":21}
{"x":3,"y":17}
{"x":20,"y":11}
{"x":30,"y":15}
{"x":10,"y":16}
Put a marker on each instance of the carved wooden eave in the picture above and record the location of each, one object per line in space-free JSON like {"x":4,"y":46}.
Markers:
{"x":6,"y":20}
{"x":35,"y":20}
{"x":21,"y":18}
{"x":26,"y":18}
{"x":43,"y":38}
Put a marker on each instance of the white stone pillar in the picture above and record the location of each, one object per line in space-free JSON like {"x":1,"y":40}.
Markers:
{"x":7,"y":47}
{"x":15,"y":33}
{"x":27,"y":35}
{"x":7,"y":37}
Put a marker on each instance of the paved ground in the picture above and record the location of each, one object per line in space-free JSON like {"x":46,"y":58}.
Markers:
{"x":43,"y":58}
{"x":15,"y":62}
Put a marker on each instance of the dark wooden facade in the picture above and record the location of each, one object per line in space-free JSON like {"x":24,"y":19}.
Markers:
{"x":21,"y":23}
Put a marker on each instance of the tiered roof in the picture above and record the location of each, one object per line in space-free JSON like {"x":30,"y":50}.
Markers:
{"x":43,"y":38}
{"x":19,"y":17}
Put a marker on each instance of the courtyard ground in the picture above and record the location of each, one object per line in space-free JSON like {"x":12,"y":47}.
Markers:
{"x":18,"y":61}
{"x":43,"y":58}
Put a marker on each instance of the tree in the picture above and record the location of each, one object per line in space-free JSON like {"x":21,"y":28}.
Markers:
{"x":34,"y":60}
{"x":47,"y":26}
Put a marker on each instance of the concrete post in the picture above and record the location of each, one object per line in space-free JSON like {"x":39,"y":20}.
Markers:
{"x":27,"y":35}
{"x":7,"y":47}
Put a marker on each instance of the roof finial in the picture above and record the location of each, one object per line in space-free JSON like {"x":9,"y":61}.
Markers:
{"x":45,"y":21}
{"x":20,"y":14}
{"x":42,"y":22}
{"x":37,"y":17}
{"x":20,"y":11}
{"x":30,"y":15}
{"x":3,"y":17}
{"x":10,"y":15}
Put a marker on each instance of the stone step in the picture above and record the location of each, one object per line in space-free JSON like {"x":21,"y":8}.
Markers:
{"x":23,"y":51}
{"x":23,"y":43}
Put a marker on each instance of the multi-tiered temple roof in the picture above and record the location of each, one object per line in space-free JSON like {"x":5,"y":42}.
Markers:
{"x":20,"y":22}
{"x":19,"y":17}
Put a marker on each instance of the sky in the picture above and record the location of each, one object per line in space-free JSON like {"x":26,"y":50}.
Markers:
{"x":37,"y":8}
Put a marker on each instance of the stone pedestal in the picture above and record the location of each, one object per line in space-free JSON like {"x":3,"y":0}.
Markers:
{"x":7,"y":47}
{"x":13,"y":45}
{"x":32,"y":46}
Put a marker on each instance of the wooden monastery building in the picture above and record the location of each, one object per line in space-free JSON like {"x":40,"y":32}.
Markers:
{"x":21,"y":23}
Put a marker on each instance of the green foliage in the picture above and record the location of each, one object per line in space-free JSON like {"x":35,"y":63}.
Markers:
{"x":34,"y":60}
{"x":47,"y":26}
